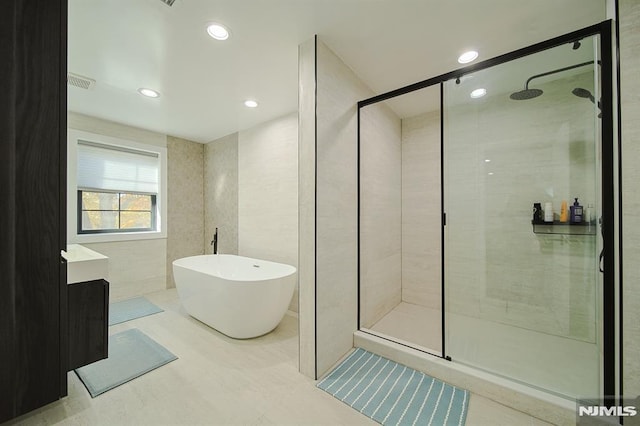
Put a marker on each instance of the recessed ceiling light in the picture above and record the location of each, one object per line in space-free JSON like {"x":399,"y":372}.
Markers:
{"x":490,"y":173}
{"x":487,"y":160}
{"x":150,"y":93}
{"x":250,"y":104}
{"x":478,"y":93}
{"x":217,"y":31}
{"x":467,"y":57}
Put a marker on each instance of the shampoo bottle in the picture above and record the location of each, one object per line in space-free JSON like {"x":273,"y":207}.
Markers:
{"x":588,"y":215}
{"x":548,"y":212}
{"x":564,"y":216}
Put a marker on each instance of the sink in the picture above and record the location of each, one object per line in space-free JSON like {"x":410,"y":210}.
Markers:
{"x":84,"y":264}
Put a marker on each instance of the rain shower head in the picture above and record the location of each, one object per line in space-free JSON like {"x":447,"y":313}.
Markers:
{"x":526,"y":94}
{"x":534,"y":93}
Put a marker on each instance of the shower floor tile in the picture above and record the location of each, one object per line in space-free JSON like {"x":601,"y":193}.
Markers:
{"x":415,"y":325}
{"x":566,"y":366}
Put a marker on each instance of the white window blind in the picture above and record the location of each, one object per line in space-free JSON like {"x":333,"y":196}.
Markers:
{"x":114,"y":168}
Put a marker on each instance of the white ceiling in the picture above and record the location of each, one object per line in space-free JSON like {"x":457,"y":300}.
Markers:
{"x":125,"y":45}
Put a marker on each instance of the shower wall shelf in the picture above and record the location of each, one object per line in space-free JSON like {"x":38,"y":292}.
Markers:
{"x":564,"y":228}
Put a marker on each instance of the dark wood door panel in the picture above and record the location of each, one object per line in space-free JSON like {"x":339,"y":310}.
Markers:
{"x":32,"y":149}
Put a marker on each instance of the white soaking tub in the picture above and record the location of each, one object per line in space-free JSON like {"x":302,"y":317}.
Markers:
{"x":238,"y":296}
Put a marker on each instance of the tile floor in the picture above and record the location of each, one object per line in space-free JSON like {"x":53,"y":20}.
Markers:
{"x":219,"y":381}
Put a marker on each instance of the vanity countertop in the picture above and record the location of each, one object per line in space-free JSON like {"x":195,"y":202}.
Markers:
{"x":84,"y":264}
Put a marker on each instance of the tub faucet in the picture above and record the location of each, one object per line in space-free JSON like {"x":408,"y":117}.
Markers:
{"x":214,"y":242}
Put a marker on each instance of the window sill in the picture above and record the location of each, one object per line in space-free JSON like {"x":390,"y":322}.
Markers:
{"x":114,"y":237}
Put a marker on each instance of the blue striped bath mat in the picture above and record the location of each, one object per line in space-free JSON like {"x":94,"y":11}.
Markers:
{"x":393,"y":394}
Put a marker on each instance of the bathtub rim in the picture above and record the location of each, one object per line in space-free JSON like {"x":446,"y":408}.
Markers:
{"x":288,"y":269}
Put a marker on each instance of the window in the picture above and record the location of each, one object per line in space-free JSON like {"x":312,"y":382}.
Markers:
{"x":115,"y":212}
{"x":118,"y":188}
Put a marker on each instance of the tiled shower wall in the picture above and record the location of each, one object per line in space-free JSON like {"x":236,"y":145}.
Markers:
{"x":400,"y":232}
{"x":421,"y":222}
{"x":380,"y":213}
{"x":629,"y":12}
{"x":499,"y":160}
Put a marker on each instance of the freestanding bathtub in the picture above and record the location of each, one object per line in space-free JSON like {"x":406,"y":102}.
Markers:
{"x":238,"y":296}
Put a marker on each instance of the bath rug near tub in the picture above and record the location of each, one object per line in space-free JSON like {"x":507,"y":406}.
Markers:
{"x":129,"y":309}
{"x":131,"y":354}
{"x":393,"y":394}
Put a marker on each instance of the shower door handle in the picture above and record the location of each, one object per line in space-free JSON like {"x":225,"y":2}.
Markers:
{"x":601,"y":257}
{"x":600,"y":261}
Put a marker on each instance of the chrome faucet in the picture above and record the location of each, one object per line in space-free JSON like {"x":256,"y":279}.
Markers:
{"x":214,"y":242}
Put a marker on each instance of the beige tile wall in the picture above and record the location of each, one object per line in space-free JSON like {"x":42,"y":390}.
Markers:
{"x":307,"y":207}
{"x":380,"y":213}
{"x":135,"y":267}
{"x":629,"y":11}
{"x":185,"y":222}
{"x":268,"y":192}
{"x":251,"y":193}
{"x":221,"y":194}
{"x":338,"y":90}
{"x":421,"y":222}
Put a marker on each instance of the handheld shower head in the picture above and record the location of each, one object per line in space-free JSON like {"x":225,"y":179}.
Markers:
{"x":583,"y":93}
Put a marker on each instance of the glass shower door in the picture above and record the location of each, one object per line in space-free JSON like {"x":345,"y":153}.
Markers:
{"x":522,"y":177}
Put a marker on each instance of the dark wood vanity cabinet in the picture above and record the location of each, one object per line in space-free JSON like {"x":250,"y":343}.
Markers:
{"x":88,"y":321}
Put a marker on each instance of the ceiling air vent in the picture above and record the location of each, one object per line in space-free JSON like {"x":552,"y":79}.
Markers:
{"x":80,"y":81}
{"x":168,"y":2}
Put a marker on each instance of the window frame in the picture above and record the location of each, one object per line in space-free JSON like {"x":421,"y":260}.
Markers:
{"x":153,"y":143}
{"x":153,"y":211}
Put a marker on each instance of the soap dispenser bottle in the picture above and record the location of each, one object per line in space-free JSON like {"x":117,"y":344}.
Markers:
{"x":576,"y":212}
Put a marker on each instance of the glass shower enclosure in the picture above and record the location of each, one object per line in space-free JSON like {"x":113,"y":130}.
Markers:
{"x":486,"y":216}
